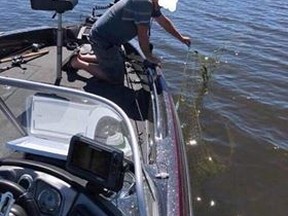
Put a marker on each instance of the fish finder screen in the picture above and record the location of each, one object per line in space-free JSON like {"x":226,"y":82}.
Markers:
{"x":92,"y":159}
{"x":96,"y":162}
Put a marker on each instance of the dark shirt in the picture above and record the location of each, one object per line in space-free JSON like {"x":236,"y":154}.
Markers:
{"x":118,"y":24}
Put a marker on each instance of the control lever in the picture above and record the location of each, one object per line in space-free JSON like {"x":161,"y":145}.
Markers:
{"x":6,"y":202}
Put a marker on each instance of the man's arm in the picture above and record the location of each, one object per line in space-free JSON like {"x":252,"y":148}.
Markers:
{"x":167,"y":24}
{"x":144,"y":43}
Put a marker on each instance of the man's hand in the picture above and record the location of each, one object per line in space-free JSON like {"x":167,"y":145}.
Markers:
{"x":186,"y":40}
{"x":154,"y":60}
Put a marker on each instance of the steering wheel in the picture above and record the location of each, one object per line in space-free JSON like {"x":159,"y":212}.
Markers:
{"x":21,"y":196}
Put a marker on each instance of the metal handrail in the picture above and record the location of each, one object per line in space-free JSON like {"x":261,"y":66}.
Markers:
{"x":9,"y":114}
{"x":155,"y":102}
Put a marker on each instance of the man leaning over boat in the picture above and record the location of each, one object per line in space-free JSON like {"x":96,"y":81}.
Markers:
{"x":122,"y":22}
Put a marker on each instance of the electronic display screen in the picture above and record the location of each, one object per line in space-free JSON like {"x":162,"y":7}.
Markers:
{"x":92,"y":159}
{"x":96,"y":162}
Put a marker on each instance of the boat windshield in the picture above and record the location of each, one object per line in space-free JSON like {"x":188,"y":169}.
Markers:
{"x":41,"y":119}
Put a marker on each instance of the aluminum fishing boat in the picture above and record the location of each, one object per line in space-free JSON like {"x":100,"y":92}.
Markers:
{"x":71,"y":145}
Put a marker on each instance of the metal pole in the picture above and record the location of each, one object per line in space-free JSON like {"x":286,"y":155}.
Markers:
{"x":5,"y":109}
{"x":59,"y":47}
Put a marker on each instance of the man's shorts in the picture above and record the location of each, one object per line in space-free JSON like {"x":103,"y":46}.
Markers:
{"x":110,"y":59}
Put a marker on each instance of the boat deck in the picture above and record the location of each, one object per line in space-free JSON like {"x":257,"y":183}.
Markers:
{"x":43,"y":69}
{"x":131,"y":97}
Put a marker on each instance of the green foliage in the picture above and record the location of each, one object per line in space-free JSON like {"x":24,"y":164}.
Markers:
{"x":207,"y":65}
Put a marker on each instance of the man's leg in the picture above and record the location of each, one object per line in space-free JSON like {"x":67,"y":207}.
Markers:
{"x":88,"y":57}
{"x":92,"y":68}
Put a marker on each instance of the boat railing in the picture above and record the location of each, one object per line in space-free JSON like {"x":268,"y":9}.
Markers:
{"x":151,"y":79}
{"x":41,"y":87}
{"x":151,"y":73}
{"x":9,"y":114}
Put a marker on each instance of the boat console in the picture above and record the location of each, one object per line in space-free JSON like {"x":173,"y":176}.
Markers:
{"x":44,"y":189}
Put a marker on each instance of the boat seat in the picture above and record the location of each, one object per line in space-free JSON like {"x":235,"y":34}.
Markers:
{"x":60,"y":6}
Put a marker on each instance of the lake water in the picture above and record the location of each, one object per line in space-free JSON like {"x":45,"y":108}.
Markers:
{"x":235,"y":126}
